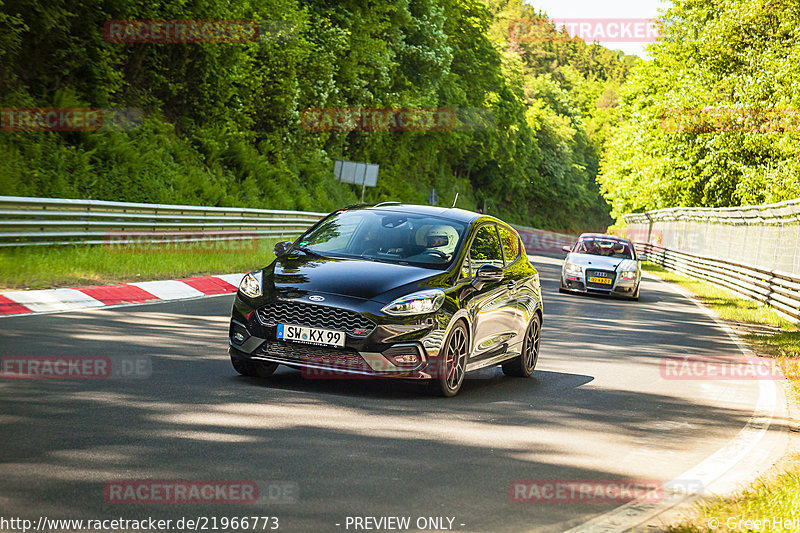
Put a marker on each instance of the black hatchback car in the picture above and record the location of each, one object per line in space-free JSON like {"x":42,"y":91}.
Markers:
{"x":395,"y":291}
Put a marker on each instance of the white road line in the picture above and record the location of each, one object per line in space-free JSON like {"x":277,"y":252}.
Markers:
{"x":233,"y":279}
{"x":169,"y":289}
{"x":50,"y":300}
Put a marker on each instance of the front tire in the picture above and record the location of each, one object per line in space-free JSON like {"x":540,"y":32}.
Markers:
{"x":522,"y":366}
{"x":452,"y":363}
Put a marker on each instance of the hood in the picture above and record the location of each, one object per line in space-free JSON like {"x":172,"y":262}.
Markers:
{"x":602,"y":262}
{"x":294,"y":276}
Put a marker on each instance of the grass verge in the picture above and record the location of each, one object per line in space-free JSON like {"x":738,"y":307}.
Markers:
{"x":71,"y":266}
{"x":766,"y":505}
{"x":775,"y":496}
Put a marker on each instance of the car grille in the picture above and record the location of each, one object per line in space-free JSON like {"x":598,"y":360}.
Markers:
{"x":600,"y":274}
{"x":315,"y":316}
{"x":318,"y":355}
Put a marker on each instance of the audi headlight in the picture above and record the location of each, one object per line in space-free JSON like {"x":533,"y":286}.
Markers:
{"x":417,"y":303}
{"x":573,"y":269}
{"x":628,"y":274}
{"x":251,"y":284}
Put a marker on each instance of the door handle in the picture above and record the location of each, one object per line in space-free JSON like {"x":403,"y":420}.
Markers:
{"x":511,"y":284}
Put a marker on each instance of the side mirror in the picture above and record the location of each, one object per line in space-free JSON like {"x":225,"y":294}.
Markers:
{"x":567,"y":249}
{"x":489,"y":273}
{"x":281,"y":248}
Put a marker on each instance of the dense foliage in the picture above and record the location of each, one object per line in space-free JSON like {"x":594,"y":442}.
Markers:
{"x":222,"y":122}
{"x":713,"y":120}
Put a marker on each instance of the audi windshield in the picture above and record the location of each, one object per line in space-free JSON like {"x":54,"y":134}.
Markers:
{"x":604,"y":247}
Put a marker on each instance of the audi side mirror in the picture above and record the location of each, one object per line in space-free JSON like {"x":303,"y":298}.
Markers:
{"x":281,"y":248}
{"x":566,"y":249}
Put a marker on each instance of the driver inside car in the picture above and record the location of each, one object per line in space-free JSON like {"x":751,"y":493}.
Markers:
{"x":435,"y":244}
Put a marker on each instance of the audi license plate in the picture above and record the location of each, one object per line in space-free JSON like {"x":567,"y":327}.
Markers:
{"x":318,"y":336}
{"x":604,"y":281}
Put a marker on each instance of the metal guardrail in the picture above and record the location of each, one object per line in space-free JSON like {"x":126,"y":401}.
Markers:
{"x":779,"y":290}
{"x":56,"y":221}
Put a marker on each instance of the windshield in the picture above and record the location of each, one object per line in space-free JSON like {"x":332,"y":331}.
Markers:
{"x":387,"y":236}
{"x":605,"y":247}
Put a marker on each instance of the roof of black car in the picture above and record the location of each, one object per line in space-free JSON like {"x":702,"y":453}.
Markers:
{"x":459,"y":215}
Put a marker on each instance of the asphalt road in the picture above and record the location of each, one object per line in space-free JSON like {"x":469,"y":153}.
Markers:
{"x":598,"y":408}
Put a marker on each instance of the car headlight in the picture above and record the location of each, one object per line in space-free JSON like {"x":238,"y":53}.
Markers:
{"x":251,"y":285}
{"x":417,"y":303}
{"x":628,"y":274}
{"x":573,"y":269}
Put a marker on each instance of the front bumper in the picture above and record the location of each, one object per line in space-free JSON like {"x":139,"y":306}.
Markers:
{"x":396,"y":347}
{"x":577,"y":283}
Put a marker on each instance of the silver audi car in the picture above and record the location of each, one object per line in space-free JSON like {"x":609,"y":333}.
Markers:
{"x":601,"y":264}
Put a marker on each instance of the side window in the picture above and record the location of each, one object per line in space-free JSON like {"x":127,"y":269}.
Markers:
{"x":485,"y":248}
{"x":510,"y":243}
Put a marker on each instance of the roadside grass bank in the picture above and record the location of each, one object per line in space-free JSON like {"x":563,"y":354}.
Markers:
{"x":47,"y":267}
{"x":771,"y":503}
{"x":772,"y":499}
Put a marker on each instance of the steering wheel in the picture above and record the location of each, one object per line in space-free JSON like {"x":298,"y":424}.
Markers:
{"x":436,"y":252}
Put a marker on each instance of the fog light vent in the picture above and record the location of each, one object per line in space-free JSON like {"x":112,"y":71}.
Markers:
{"x":404,"y":356}
{"x":238,"y":334}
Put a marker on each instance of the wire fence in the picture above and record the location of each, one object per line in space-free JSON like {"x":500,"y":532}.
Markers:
{"x":767,"y":236}
{"x":752,"y":250}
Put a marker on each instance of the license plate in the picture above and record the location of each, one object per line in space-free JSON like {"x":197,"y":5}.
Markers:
{"x":318,"y":336}
{"x":604,"y":281}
